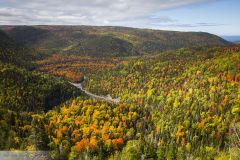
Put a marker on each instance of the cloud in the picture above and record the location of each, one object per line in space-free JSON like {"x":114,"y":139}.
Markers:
{"x":88,"y":12}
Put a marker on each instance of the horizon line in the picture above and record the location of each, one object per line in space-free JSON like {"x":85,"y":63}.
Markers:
{"x":147,"y":28}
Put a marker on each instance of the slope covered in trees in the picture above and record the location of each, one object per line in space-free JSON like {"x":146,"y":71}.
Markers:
{"x":27,"y":90}
{"x":192,"y":97}
{"x":14,"y":53}
{"x":182,"y":104}
{"x":73,"y":67}
{"x":24,"y":92}
{"x":31,"y":91}
{"x":179,"y":104}
{"x":106,"y":41}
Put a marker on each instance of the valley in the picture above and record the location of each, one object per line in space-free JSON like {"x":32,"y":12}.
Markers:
{"x":107,"y":98}
{"x":176,"y":93}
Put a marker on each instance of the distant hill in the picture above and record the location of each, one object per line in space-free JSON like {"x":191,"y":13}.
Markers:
{"x":12,"y":52}
{"x":234,"y":39}
{"x":107,"y":41}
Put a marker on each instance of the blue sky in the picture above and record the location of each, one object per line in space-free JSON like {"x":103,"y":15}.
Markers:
{"x":219,"y":17}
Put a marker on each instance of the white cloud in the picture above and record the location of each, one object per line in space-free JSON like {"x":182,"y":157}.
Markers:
{"x":137,"y":13}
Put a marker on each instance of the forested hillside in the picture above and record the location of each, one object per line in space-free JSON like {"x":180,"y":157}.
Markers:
{"x":31,"y":91}
{"x":177,"y":104}
{"x":23,"y":93}
{"x":27,"y":90}
{"x":14,"y":53}
{"x":106,"y":41}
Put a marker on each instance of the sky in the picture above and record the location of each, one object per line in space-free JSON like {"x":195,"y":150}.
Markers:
{"x":219,"y":17}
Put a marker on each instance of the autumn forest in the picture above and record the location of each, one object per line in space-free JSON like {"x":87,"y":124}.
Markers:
{"x":178,"y":93}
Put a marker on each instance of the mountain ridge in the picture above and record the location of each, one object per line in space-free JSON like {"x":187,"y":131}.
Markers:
{"x":105,"y":41}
